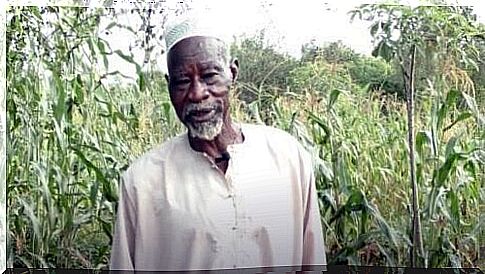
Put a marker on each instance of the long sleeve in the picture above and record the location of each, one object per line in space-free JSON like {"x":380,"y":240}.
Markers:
{"x":122,"y":252}
{"x":313,"y":242}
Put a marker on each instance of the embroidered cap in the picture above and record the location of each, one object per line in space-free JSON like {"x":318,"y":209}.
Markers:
{"x":201,"y":22}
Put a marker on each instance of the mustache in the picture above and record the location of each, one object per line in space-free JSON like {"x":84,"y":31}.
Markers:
{"x":190,"y":108}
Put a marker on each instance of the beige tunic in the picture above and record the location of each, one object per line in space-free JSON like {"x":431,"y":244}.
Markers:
{"x":178,"y":211}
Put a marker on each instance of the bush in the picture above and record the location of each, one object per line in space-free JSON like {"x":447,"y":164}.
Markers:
{"x":319,"y":77}
{"x":261,"y":67}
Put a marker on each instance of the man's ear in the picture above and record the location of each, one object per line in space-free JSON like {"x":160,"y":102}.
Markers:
{"x":234,"y":69}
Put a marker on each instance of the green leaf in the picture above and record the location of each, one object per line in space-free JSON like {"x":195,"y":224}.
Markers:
{"x":424,"y":138}
{"x":327,"y":198}
{"x":384,"y":50}
{"x":445,"y":106}
{"x":93,"y":193}
{"x":461,"y":117}
{"x":356,"y":200}
{"x":111,"y":25}
{"x":448,"y":167}
{"x":374,"y":28}
{"x":315,"y":119}
{"x":450,"y":146}
{"x":354,"y":13}
{"x":340,"y":213}
{"x":129,"y":59}
{"x":325,"y":169}
{"x":59,"y":106}
{"x":141,"y":82}
{"x":99,"y":174}
{"x":79,"y":89}
{"x":385,"y":228}
{"x":36,"y":13}
{"x":101,"y":46}
{"x":334,"y":96}
{"x":455,"y":210}
{"x":31,"y":217}
{"x":471,"y":103}
{"x":102,"y":49}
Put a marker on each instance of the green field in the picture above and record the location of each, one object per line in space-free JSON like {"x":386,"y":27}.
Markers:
{"x":71,"y":133}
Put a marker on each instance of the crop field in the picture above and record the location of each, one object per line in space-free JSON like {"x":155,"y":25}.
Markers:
{"x":72,"y":131}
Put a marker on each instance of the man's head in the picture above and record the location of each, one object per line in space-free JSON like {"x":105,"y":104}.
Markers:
{"x":200,"y":76}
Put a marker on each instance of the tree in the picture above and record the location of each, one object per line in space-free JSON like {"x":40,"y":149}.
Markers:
{"x":262,"y":67}
{"x":334,"y":52}
{"x":433,"y":45}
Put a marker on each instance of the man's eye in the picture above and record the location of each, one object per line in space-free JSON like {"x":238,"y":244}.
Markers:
{"x":182,"y":82}
{"x":210,"y":77}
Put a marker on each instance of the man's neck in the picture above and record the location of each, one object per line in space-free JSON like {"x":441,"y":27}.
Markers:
{"x":217,"y":148}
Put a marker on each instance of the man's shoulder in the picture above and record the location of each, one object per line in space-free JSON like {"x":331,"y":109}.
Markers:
{"x":156,"y":156}
{"x":277,"y":141}
{"x":267,"y":131}
{"x":281,"y":145}
{"x":273,"y":135}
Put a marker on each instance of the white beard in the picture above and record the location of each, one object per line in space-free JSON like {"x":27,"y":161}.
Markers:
{"x":206,"y":130}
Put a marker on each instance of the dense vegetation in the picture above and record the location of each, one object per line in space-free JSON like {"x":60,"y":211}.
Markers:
{"x":71,"y":133}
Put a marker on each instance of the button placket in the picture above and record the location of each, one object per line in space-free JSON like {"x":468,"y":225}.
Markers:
{"x":231,"y":179}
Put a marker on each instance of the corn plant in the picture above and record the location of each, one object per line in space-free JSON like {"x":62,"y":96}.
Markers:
{"x":72,"y":131}
{"x":70,"y":136}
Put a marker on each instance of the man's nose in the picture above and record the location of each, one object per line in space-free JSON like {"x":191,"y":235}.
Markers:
{"x":198,"y":91}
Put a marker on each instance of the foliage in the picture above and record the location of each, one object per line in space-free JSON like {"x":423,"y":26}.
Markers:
{"x":146,"y":33}
{"x":376,"y":74}
{"x":445,"y":38}
{"x":72,"y":131}
{"x":70,"y":136}
{"x":320,"y":77}
{"x":261,"y":67}
{"x":334,"y":52}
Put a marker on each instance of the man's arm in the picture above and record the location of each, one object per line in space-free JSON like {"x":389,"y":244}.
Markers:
{"x":313,"y":242}
{"x":122,"y":252}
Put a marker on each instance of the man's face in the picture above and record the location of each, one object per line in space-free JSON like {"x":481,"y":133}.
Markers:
{"x":199,"y":82}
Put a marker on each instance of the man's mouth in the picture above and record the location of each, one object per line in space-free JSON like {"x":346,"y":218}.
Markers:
{"x":201,"y":115}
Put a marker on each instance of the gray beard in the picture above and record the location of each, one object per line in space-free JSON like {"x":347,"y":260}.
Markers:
{"x":206,"y":130}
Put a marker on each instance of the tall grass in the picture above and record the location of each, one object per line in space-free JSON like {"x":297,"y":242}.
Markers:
{"x":64,"y":166}
{"x":363,"y":168}
{"x":71,"y":134}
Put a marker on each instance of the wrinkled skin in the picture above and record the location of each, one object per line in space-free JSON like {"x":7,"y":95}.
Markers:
{"x":199,"y":82}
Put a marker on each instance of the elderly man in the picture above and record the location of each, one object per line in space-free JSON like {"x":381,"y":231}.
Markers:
{"x":224,"y":195}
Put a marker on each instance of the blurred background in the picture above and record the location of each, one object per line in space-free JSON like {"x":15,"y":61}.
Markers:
{"x":86,"y":96}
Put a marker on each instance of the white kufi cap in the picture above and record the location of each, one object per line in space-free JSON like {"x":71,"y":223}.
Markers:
{"x":201,"y":22}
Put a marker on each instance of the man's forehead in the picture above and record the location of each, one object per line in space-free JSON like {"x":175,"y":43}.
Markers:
{"x":182,"y":68}
{"x":204,"y":51}
{"x":198,"y":46}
